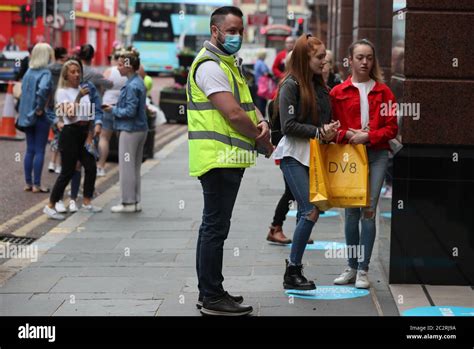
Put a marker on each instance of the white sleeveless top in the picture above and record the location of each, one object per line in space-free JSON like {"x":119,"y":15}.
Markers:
{"x":111,"y":96}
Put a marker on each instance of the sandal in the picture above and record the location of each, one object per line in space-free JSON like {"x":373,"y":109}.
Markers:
{"x":40,"y":190}
{"x":28,"y":188}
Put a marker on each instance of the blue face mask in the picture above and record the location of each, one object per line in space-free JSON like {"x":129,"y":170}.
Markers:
{"x":232,"y":43}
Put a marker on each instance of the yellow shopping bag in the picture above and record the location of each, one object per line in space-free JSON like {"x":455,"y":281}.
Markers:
{"x":339,"y":175}
{"x":318,"y":181}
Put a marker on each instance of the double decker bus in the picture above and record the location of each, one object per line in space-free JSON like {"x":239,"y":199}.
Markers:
{"x":162,"y":28}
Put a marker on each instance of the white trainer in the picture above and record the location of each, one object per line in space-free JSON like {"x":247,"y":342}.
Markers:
{"x":51,"y":167}
{"x":123,"y":208}
{"x":72,"y":206}
{"x":100,"y":172}
{"x":347,"y":277}
{"x":362,"y":280}
{"x":52,"y":213}
{"x":138,"y":207}
{"x":90,"y":209}
{"x":59,"y":206}
{"x":57,"y":170}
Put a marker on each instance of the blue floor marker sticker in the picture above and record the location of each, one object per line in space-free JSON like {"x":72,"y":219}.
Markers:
{"x":326,"y":214}
{"x":439,"y":311}
{"x":329,"y":293}
{"x":324,"y":245}
{"x":386,"y":215}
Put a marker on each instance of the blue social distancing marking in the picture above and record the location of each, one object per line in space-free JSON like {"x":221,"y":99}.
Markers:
{"x":386,"y":215}
{"x":329,"y":293}
{"x":439,"y":311}
{"x":326,"y":214}
{"x":324,"y":245}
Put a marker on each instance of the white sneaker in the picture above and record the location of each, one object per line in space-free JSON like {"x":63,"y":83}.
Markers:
{"x":138,"y":207}
{"x":123,"y":208}
{"x":72,"y":206}
{"x":100,"y":172}
{"x":57,"y":170}
{"x":362,"y":279}
{"x":52,"y":213}
{"x":51,"y":167}
{"x":90,"y":209}
{"x":347,"y":277}
{"x":59,"y":206}
{"x":79,"y":195}
{"x":387,"y":194}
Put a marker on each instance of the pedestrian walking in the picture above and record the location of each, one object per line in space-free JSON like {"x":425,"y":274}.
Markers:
{"x":278,"y":67}
{"x":261,"y":70}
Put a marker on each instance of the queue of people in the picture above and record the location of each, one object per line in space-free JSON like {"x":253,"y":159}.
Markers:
{"x":311,"y":102}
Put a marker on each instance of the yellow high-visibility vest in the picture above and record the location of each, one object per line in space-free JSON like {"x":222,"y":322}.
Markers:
{"x":213,"y":142}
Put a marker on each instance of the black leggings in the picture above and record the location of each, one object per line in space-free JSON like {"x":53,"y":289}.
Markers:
{"x":71,"y":148}
{"x":283,"y":206}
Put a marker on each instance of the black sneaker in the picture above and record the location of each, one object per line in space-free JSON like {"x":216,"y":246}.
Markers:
{"x":238,"y":299}
{"x":224,"y":306}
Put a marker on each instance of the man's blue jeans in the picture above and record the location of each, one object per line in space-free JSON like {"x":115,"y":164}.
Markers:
{"x":220,"y":187}
{"x":378,"y":161}
{"x":297,"y":176}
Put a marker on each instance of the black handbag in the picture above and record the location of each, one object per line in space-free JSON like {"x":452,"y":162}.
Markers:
{"x":18,"y":127}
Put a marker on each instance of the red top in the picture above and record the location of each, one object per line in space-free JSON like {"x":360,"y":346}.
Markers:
{"x":279,"y":60}
{"x":345,"y":103}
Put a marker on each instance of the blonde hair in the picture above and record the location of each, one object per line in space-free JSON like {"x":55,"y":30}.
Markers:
{"x":330,"y":54}
{"x":41,"y":56}
{"x":261,"y":54}
{"x":62,"y":82}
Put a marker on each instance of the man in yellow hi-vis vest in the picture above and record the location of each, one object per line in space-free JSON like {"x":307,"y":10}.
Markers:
{"x":225,"y":129}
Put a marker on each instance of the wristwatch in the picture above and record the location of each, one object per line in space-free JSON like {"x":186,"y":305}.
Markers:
{"x":263,"y":120}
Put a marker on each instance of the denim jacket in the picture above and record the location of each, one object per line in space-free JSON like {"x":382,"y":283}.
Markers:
{"x":36,"y":88}
{"x":129,"y":113}
{"x":96,"y":104}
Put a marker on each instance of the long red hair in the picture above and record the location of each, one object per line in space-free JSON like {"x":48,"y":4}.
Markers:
{"x":298,"y":67}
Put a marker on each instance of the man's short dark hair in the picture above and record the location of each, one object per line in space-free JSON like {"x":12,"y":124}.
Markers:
{"x":87,"y":52}
{"x":220,"y":13}
{"x":60,"y":52}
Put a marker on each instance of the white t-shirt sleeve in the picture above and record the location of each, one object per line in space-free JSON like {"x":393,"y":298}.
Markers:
{"x":62,"y":96}
{"x":210,"y":78}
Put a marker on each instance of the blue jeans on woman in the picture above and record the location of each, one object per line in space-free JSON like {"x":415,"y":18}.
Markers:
{"x":36,"y":139}
{"x":378,"y":161}
{"x":297,"y":176}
